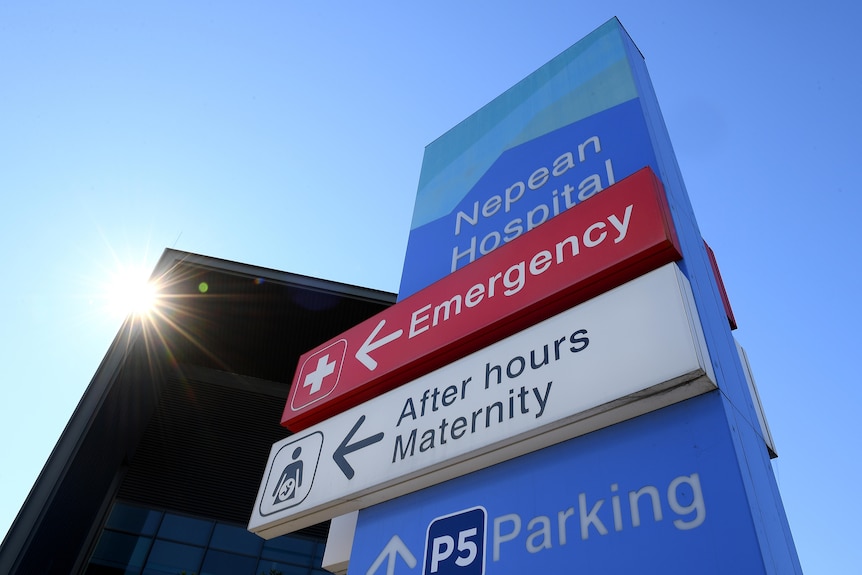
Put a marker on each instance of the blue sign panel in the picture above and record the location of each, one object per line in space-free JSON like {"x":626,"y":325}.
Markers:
{"x":526,"y":186}
{"x":561,"y":135}
{"x":657,"y":494}
{"x":455,"y":544}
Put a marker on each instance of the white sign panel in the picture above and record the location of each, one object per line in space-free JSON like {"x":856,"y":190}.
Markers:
{"x":629,"y":351}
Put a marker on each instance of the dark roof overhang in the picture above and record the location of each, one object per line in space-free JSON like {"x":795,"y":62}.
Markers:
{"x":243,"y":327}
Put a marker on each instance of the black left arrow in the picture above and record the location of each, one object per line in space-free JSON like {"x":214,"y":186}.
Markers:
{"x":345,"y":449}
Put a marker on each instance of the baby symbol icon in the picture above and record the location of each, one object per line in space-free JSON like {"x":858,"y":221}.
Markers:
{"x":292,"y":468}
{"x":290,"y":480}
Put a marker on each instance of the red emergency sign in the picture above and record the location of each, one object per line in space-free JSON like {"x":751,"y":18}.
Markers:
{"x":615,"y":236}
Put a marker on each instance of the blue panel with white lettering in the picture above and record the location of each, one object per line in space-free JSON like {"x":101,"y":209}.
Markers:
{"x":659,"y":493}
{"x":526,"y":186}
{"x":455,"y":544}
{"x":558,"y":136}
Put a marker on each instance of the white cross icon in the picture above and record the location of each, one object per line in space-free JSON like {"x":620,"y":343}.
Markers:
{"x":315,"y":378}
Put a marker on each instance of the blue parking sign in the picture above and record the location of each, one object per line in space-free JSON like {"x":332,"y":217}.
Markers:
{"x":455,"y":544}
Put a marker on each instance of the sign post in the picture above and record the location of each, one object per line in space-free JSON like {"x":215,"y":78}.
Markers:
{"x":587,"y":119}
{"x":558,"y":387}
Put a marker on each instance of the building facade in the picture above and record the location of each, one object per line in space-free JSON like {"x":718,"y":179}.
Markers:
{"x":157,"y":470}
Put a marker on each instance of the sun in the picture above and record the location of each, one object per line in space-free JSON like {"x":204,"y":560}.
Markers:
{"x":130,"y":292}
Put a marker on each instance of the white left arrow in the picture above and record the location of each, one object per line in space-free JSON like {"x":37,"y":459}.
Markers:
{"x":394,"y":548}
{"x":370,"y":345}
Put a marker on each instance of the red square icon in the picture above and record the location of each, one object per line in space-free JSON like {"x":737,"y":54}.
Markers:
{"x":318,"y":375}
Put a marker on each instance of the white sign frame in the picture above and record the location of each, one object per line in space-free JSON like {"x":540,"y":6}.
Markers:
{"x":629,"y":351}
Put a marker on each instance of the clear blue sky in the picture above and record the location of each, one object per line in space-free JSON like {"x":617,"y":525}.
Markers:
{"x":290,"y":135}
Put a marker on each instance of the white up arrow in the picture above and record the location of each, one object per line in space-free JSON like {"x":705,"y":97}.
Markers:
{"x":394,"y":548}
{"x":370,"y":345}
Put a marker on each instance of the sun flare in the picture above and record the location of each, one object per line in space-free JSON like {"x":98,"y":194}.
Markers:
{"x":130,"y":291}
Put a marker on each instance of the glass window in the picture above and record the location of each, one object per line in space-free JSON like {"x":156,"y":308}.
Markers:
{"x":122,"y":551}
{"x":288,"y":549}
{"x":185,"y":529}
{"x":221,"y":563}
{"x":134,"y":519}
{"x":141,"y":541}
{"x":169,"y":558}
{"x":237,"y":539}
